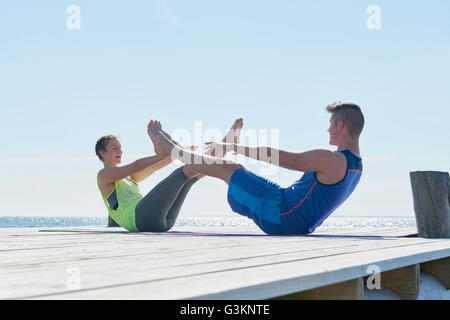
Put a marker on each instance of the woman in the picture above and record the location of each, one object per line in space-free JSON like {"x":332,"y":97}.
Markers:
{"x":159,"y":209}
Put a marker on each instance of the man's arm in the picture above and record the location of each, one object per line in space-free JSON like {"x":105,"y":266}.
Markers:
{"x":317,"y":160}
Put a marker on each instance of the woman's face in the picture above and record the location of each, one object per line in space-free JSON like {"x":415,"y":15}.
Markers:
{"x":113,"y":153}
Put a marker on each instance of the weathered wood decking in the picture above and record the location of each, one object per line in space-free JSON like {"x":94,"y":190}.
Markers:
{"x":110,"y":263}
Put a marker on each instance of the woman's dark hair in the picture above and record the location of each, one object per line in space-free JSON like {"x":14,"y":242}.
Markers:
{"x":102,"y":142}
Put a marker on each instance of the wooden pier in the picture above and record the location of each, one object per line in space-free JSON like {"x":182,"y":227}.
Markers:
{"x":192,"y":263}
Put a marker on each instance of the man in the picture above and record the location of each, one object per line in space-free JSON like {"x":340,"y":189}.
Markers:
{"x":329,"y":178}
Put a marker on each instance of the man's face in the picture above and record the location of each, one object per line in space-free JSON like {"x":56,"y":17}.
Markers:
{"x":333,"y":131}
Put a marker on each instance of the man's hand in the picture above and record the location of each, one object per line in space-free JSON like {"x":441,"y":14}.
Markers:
{"x":219,"y":147}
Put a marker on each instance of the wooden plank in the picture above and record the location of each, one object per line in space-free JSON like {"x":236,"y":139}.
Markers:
{"x":440,"y":269}
{"x":347,"y":290}
{"x":156,"y":259}
{"x":199,"y":253}
{"x":403,"y":281}
{"x":369,"y":231}
{"x":65,"y":240}
{"x":163,"y":247}
{"x":239,"y":286}
{"x":93,"y":230}
{"x":264,"y":280}
{"x":26,"y":256}
{"x":139,"y":247}
{"x":211,"y":256}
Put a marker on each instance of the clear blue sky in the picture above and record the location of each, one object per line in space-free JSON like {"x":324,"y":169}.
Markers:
{"x":277,"y":64}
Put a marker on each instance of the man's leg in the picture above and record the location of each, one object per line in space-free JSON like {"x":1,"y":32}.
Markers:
{"x":220,"y":171}
{"x":193,"y":175}
{"x":249,"y":195}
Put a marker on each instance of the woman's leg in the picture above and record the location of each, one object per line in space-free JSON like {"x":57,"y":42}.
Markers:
{"x":195,"y":163}
{"x":175,"y":209}
{"x":159,"y":209}
{"x":152,"y":212}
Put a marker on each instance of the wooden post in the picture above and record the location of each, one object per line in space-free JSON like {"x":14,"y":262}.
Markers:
{"x":439,"y":269}
{"x":431,"y":196}
{"x":404,"y":281}
{"x":347,"y":290}
{"x":111,"y":222}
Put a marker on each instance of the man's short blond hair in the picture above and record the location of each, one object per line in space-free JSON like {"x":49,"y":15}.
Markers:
{"x":350,"y":113}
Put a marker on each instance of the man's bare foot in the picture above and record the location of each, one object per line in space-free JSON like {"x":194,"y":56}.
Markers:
{"x":235,"y":132}
{"x":190,"y":172}
{"x":232,"y":136}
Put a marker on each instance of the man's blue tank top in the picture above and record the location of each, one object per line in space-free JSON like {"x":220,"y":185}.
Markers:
{"x":308,"y":202}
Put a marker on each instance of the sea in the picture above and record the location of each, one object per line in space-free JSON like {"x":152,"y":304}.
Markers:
{"x":207,"y":222}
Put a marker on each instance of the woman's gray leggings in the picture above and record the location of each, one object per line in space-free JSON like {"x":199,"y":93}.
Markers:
{"x":158,"y":210}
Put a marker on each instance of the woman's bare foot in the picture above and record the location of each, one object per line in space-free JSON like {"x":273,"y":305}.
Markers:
{"x":157,"y":125}
{"x":160,"y":141}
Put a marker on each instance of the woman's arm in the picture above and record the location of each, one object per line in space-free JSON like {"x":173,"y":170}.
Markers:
{"x":111,"y":174}
{"x":144,"y":174}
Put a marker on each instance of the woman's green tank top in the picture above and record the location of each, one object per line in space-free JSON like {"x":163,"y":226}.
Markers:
{"x":128,"y":196}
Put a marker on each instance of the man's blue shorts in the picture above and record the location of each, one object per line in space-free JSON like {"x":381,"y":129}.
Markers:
{"x":258,"y":199}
